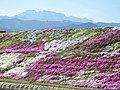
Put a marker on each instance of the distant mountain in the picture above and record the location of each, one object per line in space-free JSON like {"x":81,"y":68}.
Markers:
{"x":31,"y":20}
{"x":46,"y":16}
{"x":102,"y":24}
{"x":82,"y":25}
{"x":5,"y":17}
{"x":17,"y":24}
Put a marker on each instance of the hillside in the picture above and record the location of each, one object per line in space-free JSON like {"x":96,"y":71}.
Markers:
{"x":86,"y":58}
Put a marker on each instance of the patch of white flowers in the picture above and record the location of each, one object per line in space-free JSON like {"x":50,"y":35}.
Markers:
{"x":19,"y":71}
{"x":62,"y":44}
{"x":111,"y":54}
{"x":116,"y":28}
{"x":6,"y":60}
{"x":32,"y":36}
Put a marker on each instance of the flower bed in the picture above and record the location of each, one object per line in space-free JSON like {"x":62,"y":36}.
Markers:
{"x":102,"y":40}
{"x":62,"y":58}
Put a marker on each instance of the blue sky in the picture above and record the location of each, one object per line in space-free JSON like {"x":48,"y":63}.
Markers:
{"x":96,"y":10}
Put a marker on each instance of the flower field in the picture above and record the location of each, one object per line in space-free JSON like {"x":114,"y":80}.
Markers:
{"x":85,"y":58}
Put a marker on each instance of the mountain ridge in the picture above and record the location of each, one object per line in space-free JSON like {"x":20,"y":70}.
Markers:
{"x":18,"y":24}
{"x":45,"y":16}
{"x":31,"y":20}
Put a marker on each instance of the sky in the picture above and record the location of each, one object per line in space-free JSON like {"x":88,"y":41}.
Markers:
{"x":96,"y":10}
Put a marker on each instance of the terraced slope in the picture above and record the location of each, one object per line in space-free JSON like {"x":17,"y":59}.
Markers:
{"x":88,"y":58}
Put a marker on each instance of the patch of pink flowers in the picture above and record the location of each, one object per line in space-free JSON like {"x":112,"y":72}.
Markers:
{"x":24,"y":48}
{"x":68,"y":67}
{"x":102,"y":40}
